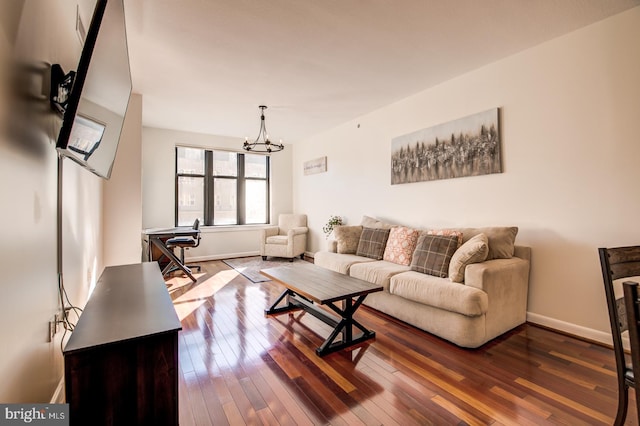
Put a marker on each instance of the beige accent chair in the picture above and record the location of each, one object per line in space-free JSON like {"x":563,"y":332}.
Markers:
{"x":288,"y":239}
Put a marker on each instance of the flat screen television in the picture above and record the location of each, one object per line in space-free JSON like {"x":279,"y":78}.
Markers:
{"x":97,"y":102}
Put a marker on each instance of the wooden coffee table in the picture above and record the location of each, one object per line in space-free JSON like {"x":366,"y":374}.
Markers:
{"x":307,"y":284}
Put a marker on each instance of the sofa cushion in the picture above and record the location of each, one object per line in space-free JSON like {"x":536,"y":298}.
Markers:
{"x":372,"y":242}
{"x":400,"y":245}
{"x":372,"y":222}
{"x":501,"y":240}
{"x":338,"y":262}
{"x":377,"y":272}
{"x":347,"y":238}
{"x":446,"y":233}
{"x":439,"y":293}
{"x":433,"y":254}
{"x":473,"y":251}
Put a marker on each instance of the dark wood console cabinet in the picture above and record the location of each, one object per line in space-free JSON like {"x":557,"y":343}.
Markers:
{"x":121,"y":362}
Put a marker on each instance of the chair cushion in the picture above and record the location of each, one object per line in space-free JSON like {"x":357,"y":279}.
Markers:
{"x":372,"y":243}
{"x":181,"y":242}
{"x":278,"y":239}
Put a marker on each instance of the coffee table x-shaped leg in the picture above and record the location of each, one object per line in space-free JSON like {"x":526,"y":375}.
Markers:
{"x":343,"y":324}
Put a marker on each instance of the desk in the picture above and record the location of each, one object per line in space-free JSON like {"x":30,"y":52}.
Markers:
{"x":157,"y":237}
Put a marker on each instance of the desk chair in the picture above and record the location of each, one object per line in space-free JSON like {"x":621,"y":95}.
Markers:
{"x":617,"y":264}
{"x":183,"y":243}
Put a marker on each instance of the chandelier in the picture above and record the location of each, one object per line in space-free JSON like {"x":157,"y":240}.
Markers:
{"x":262,"y":142}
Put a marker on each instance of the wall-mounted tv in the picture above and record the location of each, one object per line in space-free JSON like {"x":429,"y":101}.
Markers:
{"x":98,"y":100}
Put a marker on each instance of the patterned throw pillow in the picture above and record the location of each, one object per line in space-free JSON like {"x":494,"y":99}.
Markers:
{"x":347,"y":238}
{"x":446,"y":233}
{"x":372,"y":243}
{"x":433,"y":254}
{"x":401,"y":244}
{"x":473,"y":251}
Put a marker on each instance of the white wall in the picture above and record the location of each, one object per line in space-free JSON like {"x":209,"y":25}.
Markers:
{"x":30,"y":367}
{"x":158,"y":191}
{"x":123,"y":193}
{"x":82,"y":236}
{"x":570,"y":129}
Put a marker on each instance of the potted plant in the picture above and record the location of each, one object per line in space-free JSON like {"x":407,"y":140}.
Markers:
{"x":331,"y":223}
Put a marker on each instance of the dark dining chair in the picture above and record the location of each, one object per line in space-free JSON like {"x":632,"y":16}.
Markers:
{"x":632,"y":305}
{"x":617,"y":263}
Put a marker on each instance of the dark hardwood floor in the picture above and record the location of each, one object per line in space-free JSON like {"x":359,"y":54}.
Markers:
{"x":239,"y":367}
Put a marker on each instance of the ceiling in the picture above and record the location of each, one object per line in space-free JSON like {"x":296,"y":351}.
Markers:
{"x":206,"y":65}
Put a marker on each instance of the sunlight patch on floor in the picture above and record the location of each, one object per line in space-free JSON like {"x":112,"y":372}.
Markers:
{"x":184,"y":309}
{"x":191,"y":300}
{"x":176,"y":283}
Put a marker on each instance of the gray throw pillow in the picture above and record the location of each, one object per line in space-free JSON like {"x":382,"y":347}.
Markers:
{"x":373,"y":242}
{"x":501,"y":240}
{"x":433,"y":254}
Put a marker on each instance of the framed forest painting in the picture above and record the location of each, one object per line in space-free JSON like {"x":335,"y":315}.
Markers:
{"x":468,"y":146}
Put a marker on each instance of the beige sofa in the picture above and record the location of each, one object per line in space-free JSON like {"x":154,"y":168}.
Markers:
{"x":488,"y":299}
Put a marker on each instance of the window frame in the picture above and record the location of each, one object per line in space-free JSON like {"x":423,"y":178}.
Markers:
{"x":209,"y":185}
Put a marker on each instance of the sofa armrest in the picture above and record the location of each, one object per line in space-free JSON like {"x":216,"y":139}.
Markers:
{"x":492,"y":275}
{"x":522,"y":252}
{"x":506,"y":282}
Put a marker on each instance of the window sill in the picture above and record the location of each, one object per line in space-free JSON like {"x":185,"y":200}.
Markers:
{"x":232,"y":228}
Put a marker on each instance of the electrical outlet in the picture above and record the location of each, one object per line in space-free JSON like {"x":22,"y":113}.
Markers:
{"x":52,"y":330}
{"x":53,"y":326}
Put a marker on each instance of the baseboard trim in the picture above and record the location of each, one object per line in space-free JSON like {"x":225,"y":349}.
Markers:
{"x":221,"y":256}
{"x":58,"y":394}
{"x":569,"y":328}
{"x":232,"y":255}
